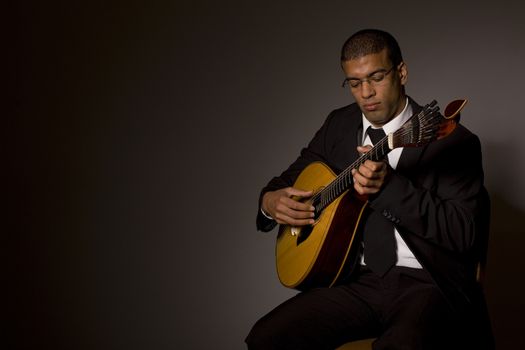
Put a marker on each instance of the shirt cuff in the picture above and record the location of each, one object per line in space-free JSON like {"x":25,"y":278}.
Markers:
{"x":266,"y":215}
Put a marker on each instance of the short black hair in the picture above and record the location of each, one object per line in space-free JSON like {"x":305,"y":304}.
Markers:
{"x":370,"y":41}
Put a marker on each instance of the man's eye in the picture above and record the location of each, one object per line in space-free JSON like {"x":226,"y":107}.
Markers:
{"x":354,"y":83}
{"x":377,"y":77}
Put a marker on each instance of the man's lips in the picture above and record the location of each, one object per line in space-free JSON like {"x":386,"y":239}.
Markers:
{"x":371,"y":106}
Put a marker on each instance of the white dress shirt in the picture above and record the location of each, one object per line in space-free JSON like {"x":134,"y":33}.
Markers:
{"x":405,"y":257}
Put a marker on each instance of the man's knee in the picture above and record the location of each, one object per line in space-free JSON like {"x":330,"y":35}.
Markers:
{"x":260,"y":337}
{"x":275,"y":334}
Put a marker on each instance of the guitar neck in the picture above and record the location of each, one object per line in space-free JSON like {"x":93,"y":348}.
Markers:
{"x":345,"y":179}
{"x":420,"y":129}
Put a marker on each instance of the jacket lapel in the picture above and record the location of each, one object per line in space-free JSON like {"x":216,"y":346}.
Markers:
{"x":345,"y":150}
{"x":409,"y":158}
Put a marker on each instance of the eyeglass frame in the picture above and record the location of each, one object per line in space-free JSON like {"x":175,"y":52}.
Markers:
{"x":369,"y":79}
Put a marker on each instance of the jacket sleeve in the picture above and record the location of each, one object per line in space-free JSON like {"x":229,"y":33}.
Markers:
{"x":444,"y":205}
{"x":315,"y":151}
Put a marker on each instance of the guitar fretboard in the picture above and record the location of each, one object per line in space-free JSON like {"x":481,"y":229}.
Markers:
{"x":421,"y":128}
{"x":345,"y":179}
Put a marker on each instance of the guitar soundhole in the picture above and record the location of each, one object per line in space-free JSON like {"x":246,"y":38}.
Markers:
{"x":304,"y":234}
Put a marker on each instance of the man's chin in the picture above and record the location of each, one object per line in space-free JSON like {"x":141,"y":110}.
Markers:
{"x":377,"y":118}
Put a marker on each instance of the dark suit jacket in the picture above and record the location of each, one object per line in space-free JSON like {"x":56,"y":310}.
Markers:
{"x":435,"y":198}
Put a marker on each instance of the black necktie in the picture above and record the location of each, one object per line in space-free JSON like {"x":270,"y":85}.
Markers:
{"x":375,"y":134}
{"x":380,"y":244}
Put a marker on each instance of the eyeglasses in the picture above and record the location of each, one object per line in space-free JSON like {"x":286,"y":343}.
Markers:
{"x":372,"y":79}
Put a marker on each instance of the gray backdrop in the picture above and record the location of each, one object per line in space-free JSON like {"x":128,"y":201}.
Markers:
{"x":140,"y":135}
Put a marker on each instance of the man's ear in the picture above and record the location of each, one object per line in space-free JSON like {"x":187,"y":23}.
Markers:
{"x":403,"y":73}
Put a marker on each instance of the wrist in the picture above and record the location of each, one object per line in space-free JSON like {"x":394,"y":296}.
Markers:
{"x":268,"y":216}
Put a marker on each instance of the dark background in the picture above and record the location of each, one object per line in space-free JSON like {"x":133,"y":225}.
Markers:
{"x":139,"y":136}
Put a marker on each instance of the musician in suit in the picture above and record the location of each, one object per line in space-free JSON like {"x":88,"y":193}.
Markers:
{"x":413,"y":284}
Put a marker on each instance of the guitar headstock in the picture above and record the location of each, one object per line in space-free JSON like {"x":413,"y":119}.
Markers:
{"x":453,"y":108}
{"x":451,"y":117}
{"x":427,"y":125}
{"x":421,"y":128}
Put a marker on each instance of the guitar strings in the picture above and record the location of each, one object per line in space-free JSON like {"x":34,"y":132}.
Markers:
{"x":427,"y":121}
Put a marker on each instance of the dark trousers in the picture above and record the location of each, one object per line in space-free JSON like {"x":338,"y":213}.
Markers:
{"x":403,"y":309}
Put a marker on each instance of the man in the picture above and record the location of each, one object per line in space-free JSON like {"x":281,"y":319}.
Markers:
{"x":427,"y":204}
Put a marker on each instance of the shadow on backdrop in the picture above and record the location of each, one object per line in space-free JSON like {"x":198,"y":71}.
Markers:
{"x":504,"y":283}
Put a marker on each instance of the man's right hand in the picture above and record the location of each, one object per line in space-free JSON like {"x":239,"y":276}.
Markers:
{"x":285,"y":210}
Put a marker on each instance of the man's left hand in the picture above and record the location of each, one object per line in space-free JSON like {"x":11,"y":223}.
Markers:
{"x":371,"y":176}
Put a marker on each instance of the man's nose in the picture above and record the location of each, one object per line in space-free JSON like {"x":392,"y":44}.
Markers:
{"x":367,"y":90}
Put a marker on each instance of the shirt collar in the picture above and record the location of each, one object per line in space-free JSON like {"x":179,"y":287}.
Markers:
{"x":393,"y":124}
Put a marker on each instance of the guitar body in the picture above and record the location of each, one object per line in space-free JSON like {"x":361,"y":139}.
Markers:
{"x":321,"y":254}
